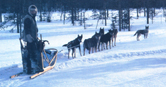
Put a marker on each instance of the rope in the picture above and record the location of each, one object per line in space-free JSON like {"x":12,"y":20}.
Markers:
{"x":69,"y":48}
{"x":73,"y":46}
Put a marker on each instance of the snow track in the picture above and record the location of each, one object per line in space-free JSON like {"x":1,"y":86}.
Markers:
{"x":85,"y":60}
{"x":91,"y":59}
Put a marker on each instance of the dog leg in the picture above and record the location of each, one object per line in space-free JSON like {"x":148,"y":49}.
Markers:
{"x":112,"y":39}
{"x":96,"y":49}
{"x":92,"y":49}
{"x":103,"y":46}
{"x":84,"y":52}
{"x":68,"y":53}
{"x":107,"y":45}
{"x":115,"y":42}
{"x":138,"y":35}
{"x":89,"y":50}
{"x":144,"y":36}
{"x":99,"y":46}
{"x":74,"y":52}
{"x":110,"y":44}
{"x":80,"y":50}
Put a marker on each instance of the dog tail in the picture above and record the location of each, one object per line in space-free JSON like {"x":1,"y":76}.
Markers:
{"x":64,"y":45}
{"x":135,"y":33}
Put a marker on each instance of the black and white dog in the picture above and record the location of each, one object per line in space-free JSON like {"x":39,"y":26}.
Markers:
{"x":73,"y":45}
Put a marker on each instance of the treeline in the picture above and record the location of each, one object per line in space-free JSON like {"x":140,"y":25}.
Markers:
{"x":20,"y":7}
{"x":53,"y":5}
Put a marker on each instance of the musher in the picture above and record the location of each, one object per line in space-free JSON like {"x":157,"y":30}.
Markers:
{"x":32,"y":62}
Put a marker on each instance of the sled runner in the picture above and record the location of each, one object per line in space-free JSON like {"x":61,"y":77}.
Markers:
{"x":47,"y":58}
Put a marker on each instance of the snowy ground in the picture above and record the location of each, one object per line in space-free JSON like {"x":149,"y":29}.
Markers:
{"x":130,"y":64}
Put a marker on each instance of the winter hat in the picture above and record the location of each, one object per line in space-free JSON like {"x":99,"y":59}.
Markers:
{"x":32,"y":8}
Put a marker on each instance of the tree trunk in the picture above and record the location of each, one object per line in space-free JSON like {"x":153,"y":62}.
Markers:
{"x":154,"y":12}
{"x":144,"y":12}
{"x":137,"y":14}
{"x":97,"y":23}
{"x":84,"y":20}
{"x":120,"y":19}
{"x":129,"y":19}
{"x":20,"y":23}
{"x":147,"y":15}
{"x":81,"y":19}
{"x":107,"y":13}
{"x":75,"y":14}
{"x":105,"y":17}
{"x":0,"y":17}
{"x":64,"y":16}
{"x":72,"y":16}
{"x":61,"y":16}
{"x":17,"y":23}
{"x":120,"y":15}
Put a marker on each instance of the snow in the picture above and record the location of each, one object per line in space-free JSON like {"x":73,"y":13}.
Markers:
{"x":129,"y":64}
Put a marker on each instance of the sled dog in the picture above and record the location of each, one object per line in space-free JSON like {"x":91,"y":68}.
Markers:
{"x":73,"y":45}
{"x":91,"y":43}
{"x":101,"y":31}
{"x":105,"y":39}
{"x":144,"y":32}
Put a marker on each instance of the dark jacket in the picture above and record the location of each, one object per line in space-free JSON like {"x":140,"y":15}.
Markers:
{"x":30,"y":27}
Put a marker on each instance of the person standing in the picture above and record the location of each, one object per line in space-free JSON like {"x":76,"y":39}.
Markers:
{"x":31,"y":37}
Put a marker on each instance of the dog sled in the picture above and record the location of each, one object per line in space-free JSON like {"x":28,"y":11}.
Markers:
{"x":47,"y":61}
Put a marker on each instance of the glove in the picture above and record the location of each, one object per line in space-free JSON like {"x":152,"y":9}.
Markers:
{"x":30,"y":39}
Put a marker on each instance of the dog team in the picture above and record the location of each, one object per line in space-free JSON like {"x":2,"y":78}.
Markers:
{"x":99,"y":41}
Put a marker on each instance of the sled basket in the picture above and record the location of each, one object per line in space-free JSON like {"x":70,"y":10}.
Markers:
{"x":49,"y":57}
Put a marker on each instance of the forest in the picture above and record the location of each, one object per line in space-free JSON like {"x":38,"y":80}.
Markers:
{"x":75,"y":7}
